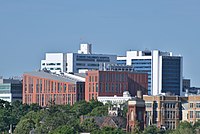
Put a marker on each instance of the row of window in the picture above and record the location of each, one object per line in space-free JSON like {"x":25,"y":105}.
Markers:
{"x":192,"y":105}
{"x":83,"y":64}
{"x":197,"y":114}
{"x":113,"y":77}
{"x":45,"y":99}
{"x":51,"y":64}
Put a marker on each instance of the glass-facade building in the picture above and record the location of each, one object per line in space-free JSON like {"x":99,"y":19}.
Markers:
{"x":11,"y":91}
{"x":163,"y":68}
{"x":171,"y":74}
{"x":143,"y":66}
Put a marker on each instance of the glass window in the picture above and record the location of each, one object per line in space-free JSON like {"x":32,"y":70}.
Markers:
{"x":197,"y":114}
{"x":97,"y":88}
{"x":197,"y":105}
{"x":148,"y":105}
{"x":191,"y":105}
{"x":191,"y":114}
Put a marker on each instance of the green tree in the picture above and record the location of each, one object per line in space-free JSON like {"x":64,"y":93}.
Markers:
{"x":99,"y":111}
{"x":29,"y":122}
{"x":94,"y":103}
{"x":184,"y":128}
{"x":136,"y":129}
{"x":196,"y":125}
{"x":109,"y":130}
{"x":5,"y":120}
{"x":18,"y":110}
{"x":24,"y":126}
{"x":151,"y":130}
{"x":5,"y":116}
{"x":124,"y":111}
{"x":64,"y":130}
{"x":81,"y":108}
{"x":89,"y":125}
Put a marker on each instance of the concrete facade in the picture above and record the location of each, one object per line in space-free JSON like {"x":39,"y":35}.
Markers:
{"x":54,"y":62}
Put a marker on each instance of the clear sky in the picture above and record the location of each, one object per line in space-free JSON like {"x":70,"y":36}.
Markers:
{"x":30,"y":28}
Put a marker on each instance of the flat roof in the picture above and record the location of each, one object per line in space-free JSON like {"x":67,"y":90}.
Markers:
{"x":51,"y":76}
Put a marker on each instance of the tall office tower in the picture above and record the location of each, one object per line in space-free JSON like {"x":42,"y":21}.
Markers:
{"x":164,"y":69}
{"x":54,"y":62}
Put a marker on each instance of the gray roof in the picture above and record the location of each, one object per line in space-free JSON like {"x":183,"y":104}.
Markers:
{"x":83,"y":75}
{"x":51,"y":76}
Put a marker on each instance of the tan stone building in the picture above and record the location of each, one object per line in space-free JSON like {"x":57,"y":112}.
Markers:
{"x":193,"y":108}
{"x":163,"y":111}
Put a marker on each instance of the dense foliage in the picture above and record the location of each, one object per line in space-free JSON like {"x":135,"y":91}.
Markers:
{"x":65,"y":119}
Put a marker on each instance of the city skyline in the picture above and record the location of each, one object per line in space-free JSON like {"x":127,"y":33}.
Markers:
{"x":30,"y":29}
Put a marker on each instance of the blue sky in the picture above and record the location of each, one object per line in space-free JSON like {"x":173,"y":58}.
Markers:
{"x":28,"y":29}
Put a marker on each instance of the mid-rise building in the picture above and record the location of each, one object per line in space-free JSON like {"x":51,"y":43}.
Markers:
{"x":10,"y":89}
{"x":164,"y":70}
{"x":77,"y":62}
{"x":163,"y":111}
{"x":45,"y":88}
{"x":110,"y":83}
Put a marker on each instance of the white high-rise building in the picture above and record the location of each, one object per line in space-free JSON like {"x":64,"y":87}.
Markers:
{"x":164,"y":70}
{"x":54,"y":62}
{"x":77,"y":62}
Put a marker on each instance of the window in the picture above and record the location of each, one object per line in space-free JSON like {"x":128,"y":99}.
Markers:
{"x":148,"y":105}
{"x":191,"y":105}
{"x":97,"y":88}
{"x":191,"y":114}
{"x":197,"y":114}
{"x":65,"y":87}
{"x":58,"y":63}
{"x":197,"y":105}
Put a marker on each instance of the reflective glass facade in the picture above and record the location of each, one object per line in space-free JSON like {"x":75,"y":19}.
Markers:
{"x":5,"y":88}
{"x":171,"y":73}
{"x":143,"y":66}
{"x":121,"y":62}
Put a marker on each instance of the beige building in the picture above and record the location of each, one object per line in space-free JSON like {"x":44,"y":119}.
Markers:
{"x":167,"y":111}
{"x":193,"y":108}
{"x":163,"y":111}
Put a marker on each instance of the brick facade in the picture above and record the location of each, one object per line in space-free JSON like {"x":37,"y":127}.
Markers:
{"x":44,"y":91}
{"x":110,"y":83}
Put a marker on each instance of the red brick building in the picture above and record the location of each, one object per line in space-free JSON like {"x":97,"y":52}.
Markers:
{"x":110,"y":83}
{"x":136,"y":113}
{"x":45,"y":88}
